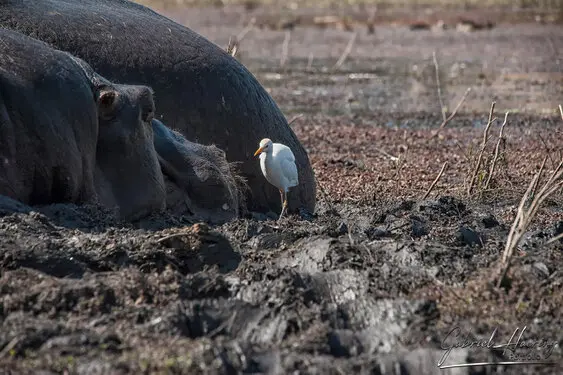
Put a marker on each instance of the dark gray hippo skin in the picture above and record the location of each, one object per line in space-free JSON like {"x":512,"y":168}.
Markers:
{"x":128,"y":173}
{"x":198,"y":176}
{"x":67,"y":135}
{"x":201,"y":91}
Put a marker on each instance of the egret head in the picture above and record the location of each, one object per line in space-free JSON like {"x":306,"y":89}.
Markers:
{"x":265,"y":146}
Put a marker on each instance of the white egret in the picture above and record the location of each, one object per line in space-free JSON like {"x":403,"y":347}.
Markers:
{"x":278,"y":166}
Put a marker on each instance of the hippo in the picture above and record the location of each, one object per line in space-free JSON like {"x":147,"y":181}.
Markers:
{"x":199,"y":177}
{"x":202,"y":92}
{"x":128,"y":173}
{"x":68,"y":135}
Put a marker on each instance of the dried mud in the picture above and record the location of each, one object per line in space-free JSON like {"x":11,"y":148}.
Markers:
{"x":371,"y":283}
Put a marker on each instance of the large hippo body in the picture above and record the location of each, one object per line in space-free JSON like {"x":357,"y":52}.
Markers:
{"x":69,"y":135}
{"x":48,"y":124}
{"x":201,"y":91}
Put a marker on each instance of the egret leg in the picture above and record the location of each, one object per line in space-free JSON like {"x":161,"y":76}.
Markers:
{"x":284,"y":203}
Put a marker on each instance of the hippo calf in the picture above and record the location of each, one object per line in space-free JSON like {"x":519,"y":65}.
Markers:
{"x":69,"y":135}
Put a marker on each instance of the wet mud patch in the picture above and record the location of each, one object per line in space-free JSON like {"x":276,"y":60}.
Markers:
{"x":38,"y":242}
{"x":361,"y":287}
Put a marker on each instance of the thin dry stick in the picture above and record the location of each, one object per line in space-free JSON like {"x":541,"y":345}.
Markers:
{"x":536,"y":182}
{"x":439,"y":87}
{"x":483,"y":145}
{"x":295,"y":119}
{"x":547,"y":150}
{"x":451,"y":116}
{"x":246,"y":30}
{"x":232,"y":47}
{"x":11,"y":345}
{"x":561,"y":111}
{"x":285,"y":48}
{"x":435,"y":181}
{"x":347,"y":51}
{"x":310,"y":61}
{"x":175,"y":235}
{"x":554,"y":183}
{"x":524,"y":216}
{"x":497,"y":151}
{"x":386,"y":154}
{"x":507,"y":253}
{"x":554,"y":239}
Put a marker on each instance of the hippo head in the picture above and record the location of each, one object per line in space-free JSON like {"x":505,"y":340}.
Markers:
{"x":127,"y":167}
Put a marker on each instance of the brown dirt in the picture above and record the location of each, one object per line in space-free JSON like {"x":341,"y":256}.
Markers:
{"x":376,"y":277}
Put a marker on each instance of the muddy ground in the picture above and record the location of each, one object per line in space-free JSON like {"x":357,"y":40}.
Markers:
{"x":376,"y":278}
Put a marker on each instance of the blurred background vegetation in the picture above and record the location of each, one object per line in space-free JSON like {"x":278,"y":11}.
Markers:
{"x":522,"y":4}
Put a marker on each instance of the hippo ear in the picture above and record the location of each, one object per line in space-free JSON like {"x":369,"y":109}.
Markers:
{"x":107,"y":100}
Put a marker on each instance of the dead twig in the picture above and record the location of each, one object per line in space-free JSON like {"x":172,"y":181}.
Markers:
{"x":507,"y":253}
{"x":386,"y":154}
{"x":561,"y":111}
{"x":554,"y":239}
{"x":400,"y":163}
{"x":439,"y":87}
{"x":483,"y":145}
{"x":310,"y":61}
{"x":180,"y":234}
{"x":452,"y":115}
{"x":285,"y":48}
{"x":234,"y":41}
{"x":525,"y":215}
{"x":435,"y":180}
{"x":347,"y":51}
{"x":295,"y":118}
{"x":232,"y":47}
{"x":547,"y":150}
{"x":226,"y":324}
{"x":454,"y":112}
{"x":10,"y":346}
{"x":497,"y":152}
{"x":246,"y":30}
{"x":537,"y":181}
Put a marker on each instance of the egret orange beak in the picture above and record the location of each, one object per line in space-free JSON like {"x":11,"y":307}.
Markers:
{"x":259,"y":151}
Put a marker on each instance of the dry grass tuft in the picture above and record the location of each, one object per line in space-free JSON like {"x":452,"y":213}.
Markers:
{"x":525,"y":214}
{"x":484,"y":167}
{"x":497,"y":152}
{"x":483,"y":146}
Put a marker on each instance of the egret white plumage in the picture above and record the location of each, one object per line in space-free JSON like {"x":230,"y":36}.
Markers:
{"x":278,"y":166}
